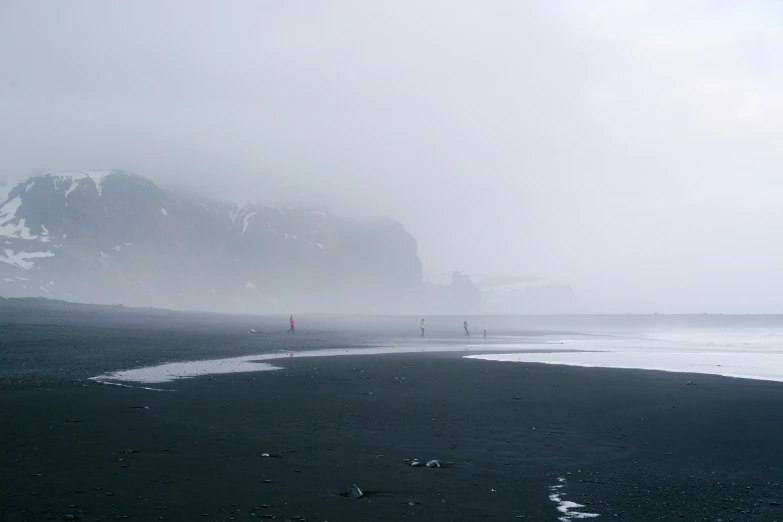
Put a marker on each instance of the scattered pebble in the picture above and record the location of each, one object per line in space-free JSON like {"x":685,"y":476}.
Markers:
{"x":354,"y":492}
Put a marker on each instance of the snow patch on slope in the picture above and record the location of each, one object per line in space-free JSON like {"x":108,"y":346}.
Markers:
{"x":21,"y":259}
{"x":8,"y":211}
{"x":21,"y":231}
{"x":97,"y":176}
{"x":247,"y":221}
{"x":44,"y":238}
{"x":119,"y":247}
{"x":74,"y":184}
{"x":9,"y":208}
{"x":74,"y":177}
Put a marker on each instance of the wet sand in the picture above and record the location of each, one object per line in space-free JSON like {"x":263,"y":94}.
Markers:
{"x":640,"y":445}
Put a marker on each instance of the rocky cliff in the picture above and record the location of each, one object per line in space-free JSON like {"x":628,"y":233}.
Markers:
{"x":116,"y":237}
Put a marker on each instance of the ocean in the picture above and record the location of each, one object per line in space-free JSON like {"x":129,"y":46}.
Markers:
{"x":748,"y":347}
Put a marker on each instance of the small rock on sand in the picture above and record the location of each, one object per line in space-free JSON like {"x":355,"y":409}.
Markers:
{"x":354,"y":492}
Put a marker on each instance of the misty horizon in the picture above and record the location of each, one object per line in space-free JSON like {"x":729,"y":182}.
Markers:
{"x":626,"y":149}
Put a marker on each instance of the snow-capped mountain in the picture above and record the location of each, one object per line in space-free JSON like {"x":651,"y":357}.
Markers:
{"x":116,"y":237}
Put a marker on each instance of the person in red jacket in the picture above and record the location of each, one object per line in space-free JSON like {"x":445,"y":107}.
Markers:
{"x":291,"y":320}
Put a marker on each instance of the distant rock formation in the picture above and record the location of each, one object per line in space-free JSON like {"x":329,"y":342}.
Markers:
{"x":460,"y":297}
{"x":519,"y":295}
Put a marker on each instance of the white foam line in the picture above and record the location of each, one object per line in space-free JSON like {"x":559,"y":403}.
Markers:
{"x":566,"y":507}
{"x":254,"y":363}
{"x":173,"y":371}
{"x":128,"y":386}
{"x":516,"y":346}
{"x":762,"y":366}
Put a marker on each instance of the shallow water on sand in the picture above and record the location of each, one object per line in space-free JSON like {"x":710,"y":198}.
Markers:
{"x":255,"y":363}
{"x":754,"y":352}
{"x":750,"y":353}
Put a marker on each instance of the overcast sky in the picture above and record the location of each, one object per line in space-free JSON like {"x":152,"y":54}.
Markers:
{"x":631,"y":148}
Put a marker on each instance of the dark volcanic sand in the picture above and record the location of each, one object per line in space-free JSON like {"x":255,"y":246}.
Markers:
{"x":641,"y":445}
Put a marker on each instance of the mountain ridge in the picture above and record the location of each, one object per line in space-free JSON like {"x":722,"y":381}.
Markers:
{"x":114,"y":236}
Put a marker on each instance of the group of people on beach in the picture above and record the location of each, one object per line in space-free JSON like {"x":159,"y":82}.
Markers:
{"x":464,"y":325}
{"x":421,"y":324}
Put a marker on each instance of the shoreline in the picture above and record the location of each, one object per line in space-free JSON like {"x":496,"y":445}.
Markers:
{"x":515,"y":440}
{"x":635,"y":443}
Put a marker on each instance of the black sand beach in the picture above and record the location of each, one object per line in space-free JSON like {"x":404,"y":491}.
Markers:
{"x":633,"y":444}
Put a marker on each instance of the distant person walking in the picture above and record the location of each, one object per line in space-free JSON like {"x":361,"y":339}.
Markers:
{"x":291,"y":320}
{"x":421,"y":323}
{"x":485,"y":330}
{"x":465,"y":326}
